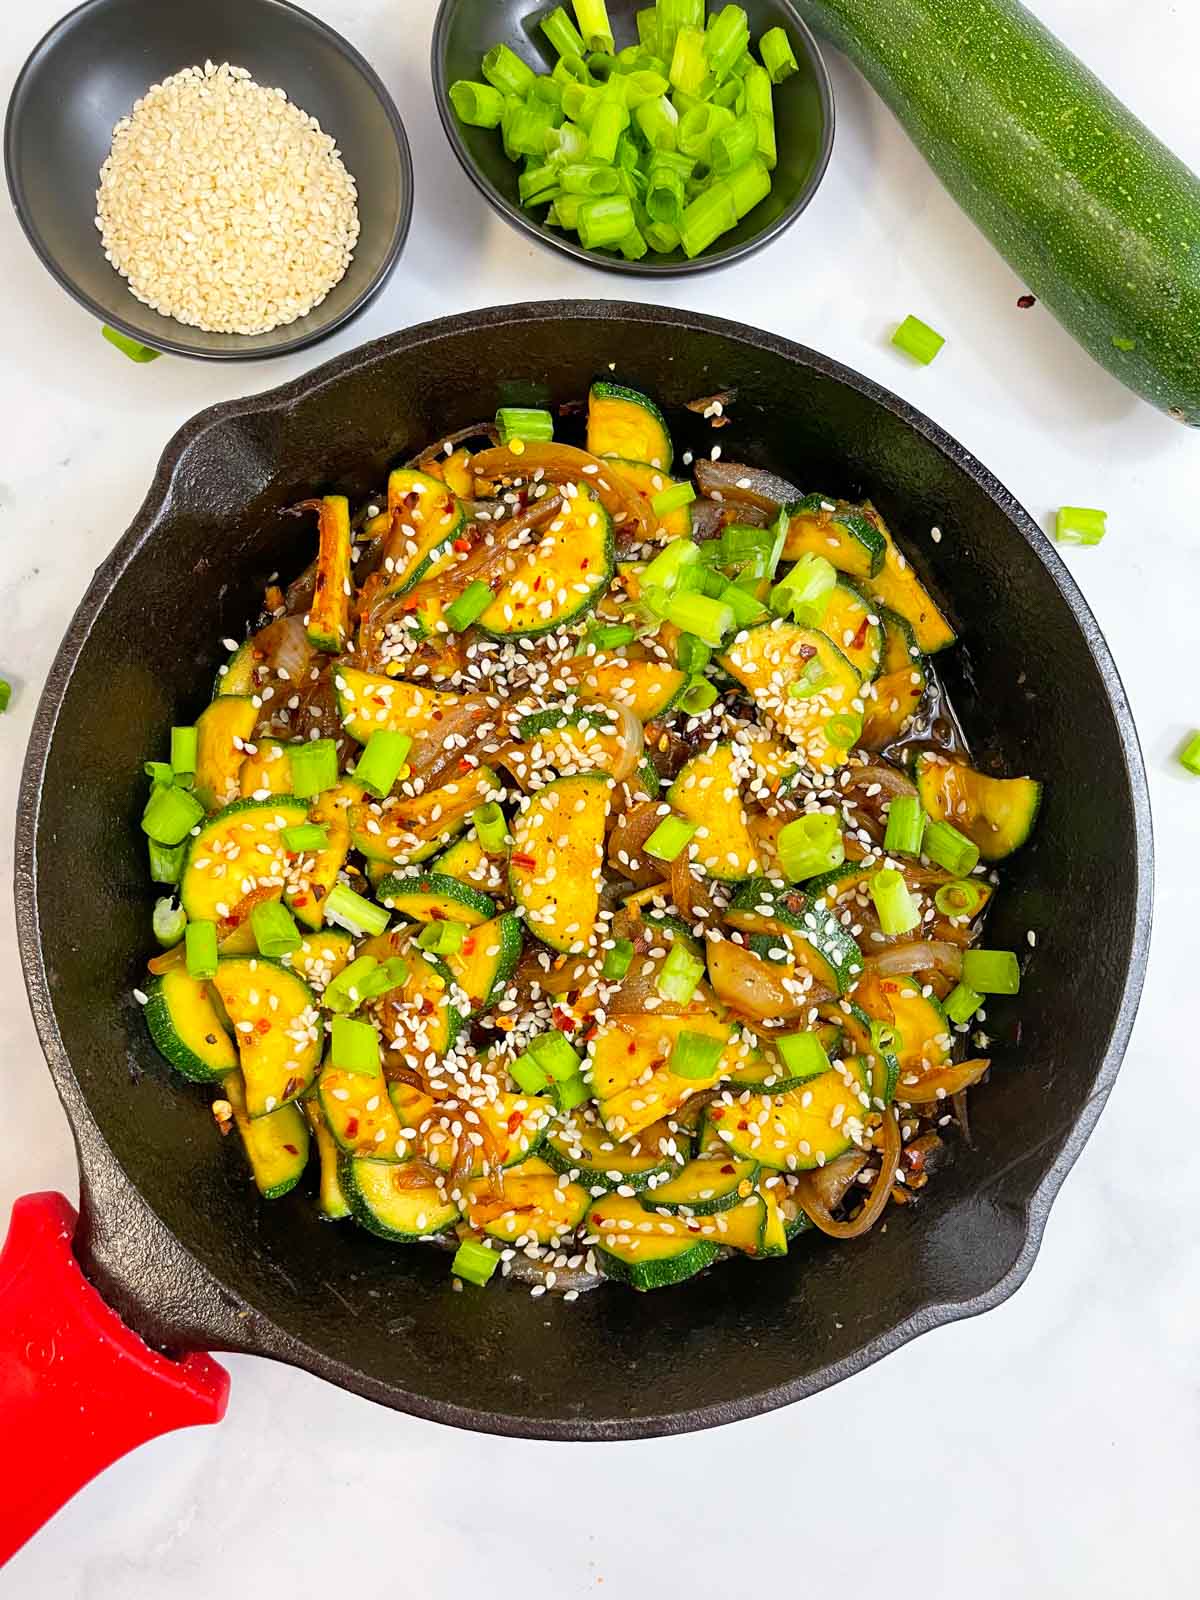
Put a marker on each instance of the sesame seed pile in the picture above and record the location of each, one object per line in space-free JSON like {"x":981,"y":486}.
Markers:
{"x":224,"y":205}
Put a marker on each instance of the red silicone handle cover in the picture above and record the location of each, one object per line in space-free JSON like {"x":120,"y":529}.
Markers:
{"x":78,"y":1389}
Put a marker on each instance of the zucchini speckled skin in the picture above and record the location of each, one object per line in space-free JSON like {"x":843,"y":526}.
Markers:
{"x":1095,"y":213}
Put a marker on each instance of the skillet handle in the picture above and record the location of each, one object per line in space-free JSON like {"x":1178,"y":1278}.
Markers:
{"x":78,"y":1389}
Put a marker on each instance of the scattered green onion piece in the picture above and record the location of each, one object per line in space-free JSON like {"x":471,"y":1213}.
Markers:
{"x":991,"y":971}
{"x":645,"y":85}
{"x":169,"y":921}
{"x":633,"y":246}
{"x":184,"y":742}
{"x":507,"y":72}
{"x":947,"y":847}
{"x":748,"y":186}
{"x":672,"y":499}
{"x":474,"y":1263}
{"x":568,"y":143}
{"x":442,"y":938}
{"x":1080,"y":525}
{"x":746,"y":607}
{"x":525,"y":125}
{"x":345,"y":993}
{"x":352,"y":911}
{"x":562,"y":34}
{"x":777,"y":54}
{"x":740,"y":543}
{"x":673,"y":15}
{"x":491,"y":829}
{"x":384,"y":758}
{"x":573,"y":1092}
{"x":812,"y":680}
{"x":564,"y":213}
{"x":473,"y":601}
{"x":133,"y":348}
{"x":961,"y":899}
{"x":733,"y":146}
{"x":918,"y":340}
{"x":581,"y":101}
{"x":699,"y":127}
{"x":605,"y":222}
{"x":727,"y":40}
{"x":538,"y":186}
{"x":608,"y":125}
{"x":304,"y":838}
{"x":695,"y":1055}
{"x":671,"y":836}
{"x":692,"y":655}
{"x":804,"y":594}
{"x":592,"y":17}
{"x":617,"y":961}
{"x":661,"y":237}
{"x":802,"y":1054}
{"x":658,"y":122}
{"x":665,"y":570}
{"x":165,"y":863}
{"x":730,"y":96}
{"x":844,"y":730}
{"x":354,"y":1046}
{"x":556,"y":1056}
{"x":170,"y":815}
{"x":760,"y":104}
{"x":527,"y":1075}
{"x":529,"y":423}
{"x":698,"y":697}
{"x":159,"y":772}
{"x":885,"y":1039}
{"x":200,"y":949}
{"x":610,"y":635}
{"x":314,"y":767}
{"x":679,"y":975}
{"x":689,"y":70}
{"x":709,"y":619}
{"x":665,"y":203}
{"x":479,"y":105}
{"x":810,"y":845}
{"x":274,"y":928}
{"x":1189,"y":756}
{"x":961,"y":1004}
{"x":896,"y":908}
{"x":905,"y":826}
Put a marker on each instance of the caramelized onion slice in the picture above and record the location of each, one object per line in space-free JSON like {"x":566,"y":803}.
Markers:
{"x":818,"y":1213}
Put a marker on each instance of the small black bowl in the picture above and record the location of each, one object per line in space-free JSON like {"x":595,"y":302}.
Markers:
{"x":84,"y":77}
{"x":804,"y":122}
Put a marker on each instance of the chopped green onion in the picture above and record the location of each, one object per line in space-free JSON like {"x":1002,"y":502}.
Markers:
{"x":469,"y":605}
{"x":200,"y":949}
{"x":527,"y":1075}
{"x":170,"y":815}
{"x":274,"y":928}
{"x":168,"y":922}
{"x":474,"y":1262}
{"x":385,"y":756}
{"x":608,"y":125}
{"x":740,"y":544}
{"x":844,"y":730}
{"x":159,"y":772}
{"x":607,"y":636}
{"x":345,"y":992}
{"x":314,"y":767}
{"x":184,"y":742}
{"x":802,"y":1054}
{"x":805,"y":593}
{"x":442,"y":938}
{"x":777,"y":54}
{"x":699,"y":127}
{"x":961,"y":899}
{"x":760,"y":104}
{"x":689,"y":70}
{"x":695,"y":1055}
{"x":1080,"y":525}
{"x":479,"y":105}
{"x":962,"y":1003}
{"x":562,"y":34}
{"x":592,"y":17}
{"x":354,"y":1046}
{"x":589,"y":179}
{"x":555,"y":1054}
{"x":692,"y":655}
{"x":539,"y":186}
{"x":1189,"y":756}
{"x":697,"y":697}
{"x":671,"y":836}
{"x":507,"y":72}
{"x":645,"y":85}
{"x":305,"y":838}
{"x":813,"y":678}
{"x":658,"y":123}
{"x":648,"y":31}
{"x":525,"y":126}
{"x":991,"y":971}
{"x":132,"y":348}
{"x":166,"y":863}
{"x":352,"y":911}
{"x":665,"y":203}
{"x":918,"y":340}
{"x":617,"y":961}
{"x":896,"y":908}
{"x":601,"y":65}
{"x":581,"y":100}
{"x":947,"y":847}
{"x":564,"y":213}
{"x":605,"y":222}
{"x":748,"y":186}
{"x":710,"y":620}
{"x":710,"y":214}
{"x":680,"y":974}
{"x":746,"y":607}
{"x":491,"y":829}
{"x":527,"y":423}
{"x":673,"y":15}
{"x":564,"y":144}
{"x":571,"y":1093}
{"x":733,"y":146}
{"x":885,"y":1039}
{"x":905,"y":826}
{"x":727,"y":39}
{"x":633,"y":246}
{"x":665,"y":570}
{"x":810,"y":845}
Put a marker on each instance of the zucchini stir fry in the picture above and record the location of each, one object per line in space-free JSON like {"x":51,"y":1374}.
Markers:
{"x":582,"y":863}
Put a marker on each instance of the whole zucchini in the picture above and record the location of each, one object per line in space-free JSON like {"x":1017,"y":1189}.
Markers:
{"x":1098,"y":217}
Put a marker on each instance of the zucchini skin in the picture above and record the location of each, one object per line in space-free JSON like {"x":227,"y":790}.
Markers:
{"x":1096,"y":214}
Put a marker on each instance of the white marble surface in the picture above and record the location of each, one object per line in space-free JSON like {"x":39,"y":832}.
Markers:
{"x":1051,"y":1448}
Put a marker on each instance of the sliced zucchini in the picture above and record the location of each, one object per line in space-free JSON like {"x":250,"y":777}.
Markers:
{"x":773,"y":1240}
{"x":187,"y":1028}
{"x":428,"y":897}
{"x":426,"y":518}
{"x":842,"y":533}
{"x":892,"y":704}
{"x":923,"y":1035}
{"x":554,"y":869}
{"x":586,"y":1152}
{"x":630,"y":1074}
{"x":276,"y":1146}
{"x":328,"y":621}
{"x":535,"y":1203}
{"x":647,"y":688}
{"x":235,"y":852}
{"x":514,"y":1126}
{"x":647,"y":482}
{"x":802,"y":1129}
{"x":705,"y":1186}
{"x":706,"y":792}
{"x":484,"y":963}
{"x":854,"y":626}
{"x":769,"y":659}
{"x":359,"y":1115}
{"x":267,"y":772}
{"x":670,"y":928}
{"x":559,"y":578}
{"x":588,"y":739}
{"x":331,"y":1198}
{"x":222,"y":730}
{"x":897,"y":586}
{"x":900,"y":647}
{"x":817,"y":938}
{"x":774,"y":761}
{"x":997,"y":814}
{"x":239,"y":673}
{"x":470,"y":863}
{"x":368,"y":700}
{"x":383,"y":1203}
{"x":872,"y":1046}
{"x":646,"y":783}
{"x":321,"y":956}
{"x":277,"y":1028}
{"x":418,"y":1017}
{"x":643,"y":1251}
{"x":312,"y":876}
{"x":402,"y":832}
{"x":623,"y":423}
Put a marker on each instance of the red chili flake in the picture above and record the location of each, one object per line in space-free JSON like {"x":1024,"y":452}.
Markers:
{"x":262,"y":1026}
{"x":585,"y":563}
{"x":806,"y":651}
{"x":1027,"y":301}
{"x":715,"y":1113}
{"x":727,"y":1168}
{"x":632,"y":1048}
{"x":521,"y":860}
{"x":590,"y":1032}
{"x":860,"y":638}
{"x":515,"y":1121}
{"x":291,"y":1149}
{"x":468,"y":946}
{"x":300,"y":900}
{"x":597,"y":1219}
{"x":914,"y":1160}
{"x":437,"y":916}
{"x":351,"y":1127}
{"x":562,"y":1021}
{"x":462,"y":545}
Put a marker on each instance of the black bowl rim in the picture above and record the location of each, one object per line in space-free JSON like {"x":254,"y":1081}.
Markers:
{"x":177,"y":347}
{"x":602,"y":260}
{"x":129,"y":1259}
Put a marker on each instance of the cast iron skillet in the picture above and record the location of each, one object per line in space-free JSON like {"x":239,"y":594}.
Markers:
{"x":173,"y":1233}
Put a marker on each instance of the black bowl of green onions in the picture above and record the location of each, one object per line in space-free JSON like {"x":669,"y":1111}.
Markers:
{"x":655,"y":139}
